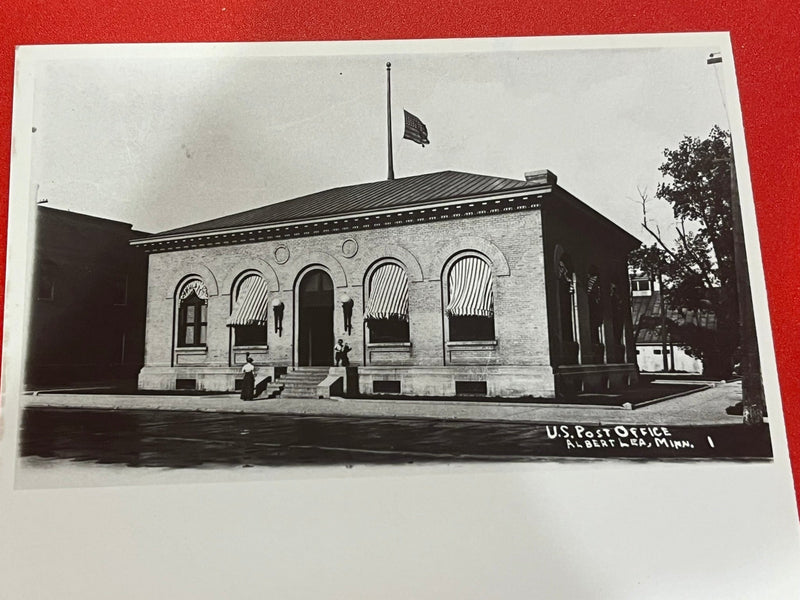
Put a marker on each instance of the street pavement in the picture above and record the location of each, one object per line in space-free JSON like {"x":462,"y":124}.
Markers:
{"x":704,"y":407}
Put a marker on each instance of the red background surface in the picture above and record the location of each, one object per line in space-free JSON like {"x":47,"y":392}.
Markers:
{"x":766,"y":47}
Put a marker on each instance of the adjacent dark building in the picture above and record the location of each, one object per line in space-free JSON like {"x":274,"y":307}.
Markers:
{"x":88,"y":302}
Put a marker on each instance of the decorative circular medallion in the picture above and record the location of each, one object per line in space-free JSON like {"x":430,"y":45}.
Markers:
{"x":281,"y":254}
{"x":349,"y":247}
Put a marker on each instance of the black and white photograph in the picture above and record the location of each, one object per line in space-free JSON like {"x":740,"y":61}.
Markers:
{"x":468,"y":318}
{"x":337,"y":255}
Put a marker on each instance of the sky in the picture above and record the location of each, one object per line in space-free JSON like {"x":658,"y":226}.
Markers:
{"x":162,"y":140}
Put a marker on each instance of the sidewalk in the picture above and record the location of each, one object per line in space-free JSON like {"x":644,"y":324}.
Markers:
{"x":705,"y":407}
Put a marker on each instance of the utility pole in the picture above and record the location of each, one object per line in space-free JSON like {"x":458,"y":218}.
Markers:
{"x":753,"y":401}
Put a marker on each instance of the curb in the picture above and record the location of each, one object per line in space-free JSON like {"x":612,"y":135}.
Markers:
{"x":629,"y":406}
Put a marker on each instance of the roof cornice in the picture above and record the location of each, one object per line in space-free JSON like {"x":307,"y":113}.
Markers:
{"x":213,"y":237}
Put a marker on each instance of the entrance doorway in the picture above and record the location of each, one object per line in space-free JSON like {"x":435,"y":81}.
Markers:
{"x":315,"y":320}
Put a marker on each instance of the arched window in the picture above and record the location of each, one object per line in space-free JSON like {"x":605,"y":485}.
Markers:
{"x":249,"y":311}
{"x":386,"y":312}
{"x":596,"y":351}
{"x":470,"y":300}
{"x":192,"y":314}
{"x":567,"y":311}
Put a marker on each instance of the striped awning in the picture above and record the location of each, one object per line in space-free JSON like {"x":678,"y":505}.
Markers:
{"x":591,"y":284}
{"x":388,"y":294}
{"x":471,"y":290}
{"x":251,"y":304}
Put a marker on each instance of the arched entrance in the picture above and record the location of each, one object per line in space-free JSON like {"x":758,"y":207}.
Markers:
{"x":315,"y":320}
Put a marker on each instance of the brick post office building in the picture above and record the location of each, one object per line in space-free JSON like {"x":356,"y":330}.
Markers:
{"x":441,"y":284}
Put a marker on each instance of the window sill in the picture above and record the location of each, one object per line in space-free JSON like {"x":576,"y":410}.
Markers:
{"x":251,"y":348}
{"x":473,"y":344}
{"x":389,"y":345}
{"x":192,"y":349}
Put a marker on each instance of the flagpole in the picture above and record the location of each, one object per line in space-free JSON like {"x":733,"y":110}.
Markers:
{"x":389,"y":116}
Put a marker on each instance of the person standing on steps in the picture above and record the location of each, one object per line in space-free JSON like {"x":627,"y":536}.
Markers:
{"x":249,"y":381}
{"x":340,"y":351}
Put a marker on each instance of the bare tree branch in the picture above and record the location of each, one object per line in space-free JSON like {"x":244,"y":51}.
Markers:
{"x":643,"y":200}
{"x":688,"y":249}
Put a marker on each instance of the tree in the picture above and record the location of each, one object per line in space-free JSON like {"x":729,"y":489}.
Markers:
{"x":697,"y":268}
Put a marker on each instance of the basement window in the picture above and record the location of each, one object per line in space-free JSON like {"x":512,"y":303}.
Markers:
{"x":386,"y":387}
{"x":185,"y":384}
{"x":471,"y":388}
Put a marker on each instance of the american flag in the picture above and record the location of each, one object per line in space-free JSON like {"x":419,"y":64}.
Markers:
{"x":415,"y":130}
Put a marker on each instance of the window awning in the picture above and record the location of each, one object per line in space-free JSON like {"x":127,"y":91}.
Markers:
{"x":471,"y":290}
{"x":388,"y":296}
{"x":591,"y":284}
{"x":251,"y":304}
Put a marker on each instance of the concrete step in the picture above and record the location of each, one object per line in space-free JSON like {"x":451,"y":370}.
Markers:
{"x":302,"y":383}
{"x":306,"y":381}
{"x":303,"y":376}
{"x":311,"y":383}
{"x":272,"y":390}
{"x":305,"y":390}
{"x":307,"y":371}
{"x":299,"y":392}
{"x":299,"y":383}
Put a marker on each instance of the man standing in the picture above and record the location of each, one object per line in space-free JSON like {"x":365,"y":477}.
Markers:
{"x":340,"y":351}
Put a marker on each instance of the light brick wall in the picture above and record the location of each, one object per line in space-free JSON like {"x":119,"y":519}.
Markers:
{"x":512,"y":241}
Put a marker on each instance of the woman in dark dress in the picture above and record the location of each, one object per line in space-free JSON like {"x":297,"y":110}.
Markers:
{"x":249,"y":381}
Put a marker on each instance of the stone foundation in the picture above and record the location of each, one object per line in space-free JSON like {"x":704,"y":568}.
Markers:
{"x":594,"y":378}
{"x":453,"y":381}
{"x":206,"y":379}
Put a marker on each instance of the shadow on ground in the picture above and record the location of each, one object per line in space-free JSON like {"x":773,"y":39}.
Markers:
{"x":191,"y":439}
